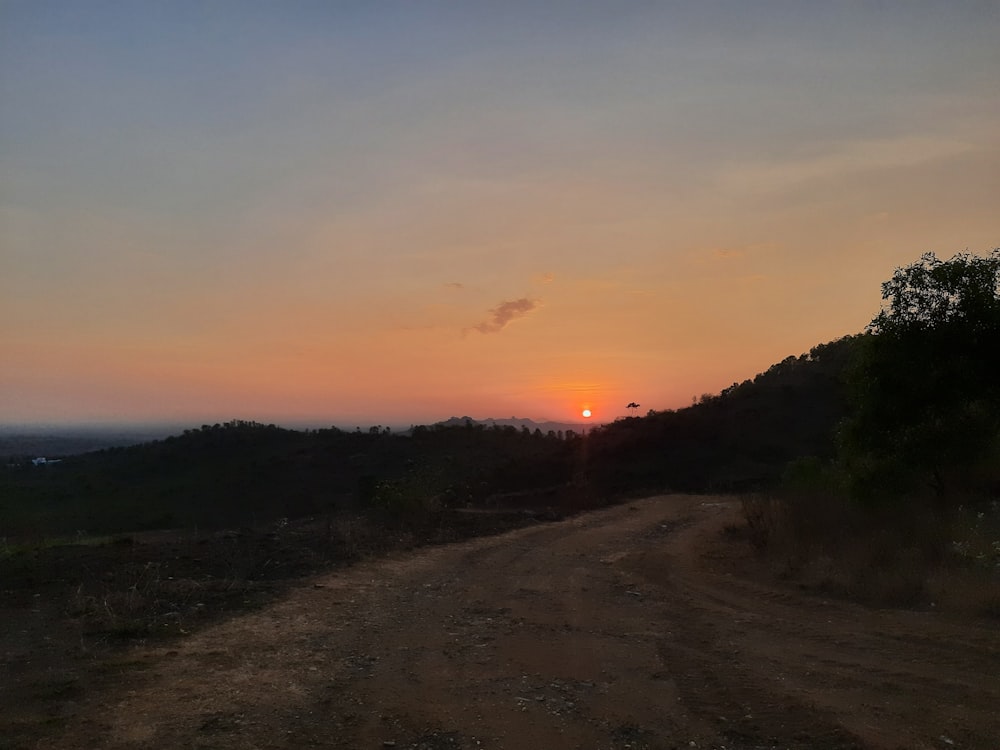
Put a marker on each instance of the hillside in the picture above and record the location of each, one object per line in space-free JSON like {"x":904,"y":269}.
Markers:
{"x":737,"y":440}
{"x":245,"y":473}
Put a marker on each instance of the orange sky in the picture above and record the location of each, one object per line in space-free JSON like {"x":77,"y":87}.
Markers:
{"x":394,"y":215}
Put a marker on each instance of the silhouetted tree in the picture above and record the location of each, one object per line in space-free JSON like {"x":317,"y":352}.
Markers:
{"x":926,"y":385}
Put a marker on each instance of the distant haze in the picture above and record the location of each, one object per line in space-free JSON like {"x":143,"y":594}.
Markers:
{"x":72,"y":439}
{"x":395,"y":212}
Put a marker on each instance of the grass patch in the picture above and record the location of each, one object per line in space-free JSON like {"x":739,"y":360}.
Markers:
{"x":905,"y":556}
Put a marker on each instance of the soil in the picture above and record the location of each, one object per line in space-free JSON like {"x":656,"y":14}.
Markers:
{"x":646,"y":625}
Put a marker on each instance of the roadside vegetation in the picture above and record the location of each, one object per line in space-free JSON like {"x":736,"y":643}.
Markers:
{"x":907,"y":510}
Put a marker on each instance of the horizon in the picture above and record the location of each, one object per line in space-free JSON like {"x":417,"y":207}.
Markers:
{"x":396,"y":425}
{"x":316,"y":423}
{"x":166,"y":429}
{"x":383,"y":213}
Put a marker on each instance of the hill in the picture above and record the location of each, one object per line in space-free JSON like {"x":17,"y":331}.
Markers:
{"x":740,"y":439}
{"x":244,"y":473}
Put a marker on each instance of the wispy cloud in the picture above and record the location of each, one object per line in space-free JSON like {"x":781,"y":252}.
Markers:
{"x":455,"y":285}
{"x":727,"y":253}
{"x":571,"y":387}
{"x":847,"y":159}
{"x":731,"y":254}
{"x":505,"y":312}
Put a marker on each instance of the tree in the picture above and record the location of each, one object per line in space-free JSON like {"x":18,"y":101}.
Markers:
{"x":925,"y":387}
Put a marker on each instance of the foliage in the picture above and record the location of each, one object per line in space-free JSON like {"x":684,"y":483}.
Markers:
{"x":247,"y":474}
{"x":925,"y":387}
{"x":932,"y":294}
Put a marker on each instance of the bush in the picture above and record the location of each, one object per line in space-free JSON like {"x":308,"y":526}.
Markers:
{"x":812,"y":532}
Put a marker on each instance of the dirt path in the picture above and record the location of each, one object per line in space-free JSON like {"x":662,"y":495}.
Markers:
{"x":633,"y":627}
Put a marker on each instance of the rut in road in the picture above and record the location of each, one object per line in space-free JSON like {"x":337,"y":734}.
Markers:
{"x":629,"y":627}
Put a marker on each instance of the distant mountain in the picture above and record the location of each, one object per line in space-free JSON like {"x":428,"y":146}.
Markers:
{"x":520,"y":423}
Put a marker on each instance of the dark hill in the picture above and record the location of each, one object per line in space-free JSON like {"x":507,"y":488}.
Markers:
{"x":738,"y":440}
{"x":244,"y":473}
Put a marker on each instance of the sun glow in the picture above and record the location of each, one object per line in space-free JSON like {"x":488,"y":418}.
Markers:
{"x":586,"y":413}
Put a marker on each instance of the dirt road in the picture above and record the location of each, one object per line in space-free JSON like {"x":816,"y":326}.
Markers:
{"x":639,"y":626}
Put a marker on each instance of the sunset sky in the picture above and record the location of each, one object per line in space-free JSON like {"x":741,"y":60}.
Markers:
{"x":355,"y":213}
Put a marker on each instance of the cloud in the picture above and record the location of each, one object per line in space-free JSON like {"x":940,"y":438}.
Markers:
{"x":505,"y":312}
{"x":456,"y":285}
{"x":845,"y":160}
{"x":545,"y":278}
{"x":725,"y":253}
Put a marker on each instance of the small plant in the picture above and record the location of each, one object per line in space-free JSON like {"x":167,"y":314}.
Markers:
{"x":126,"y":605}
{"x":137,"y":601}
{"x":976,"y":537}
{"x":759,"y":512}
{"x":814,"y":533}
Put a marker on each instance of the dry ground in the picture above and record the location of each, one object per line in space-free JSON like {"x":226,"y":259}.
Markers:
{"x":639,"y":626}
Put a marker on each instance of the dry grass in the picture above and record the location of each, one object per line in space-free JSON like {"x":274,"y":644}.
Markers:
{"x":155,"y":587}
{"x":908,"y":557}
{"x":139,"y":601}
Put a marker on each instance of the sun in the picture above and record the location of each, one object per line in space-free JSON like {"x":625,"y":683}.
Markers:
{"x":586,"y":413}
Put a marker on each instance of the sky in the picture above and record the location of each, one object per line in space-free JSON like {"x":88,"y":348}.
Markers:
{"x":360,"y":213}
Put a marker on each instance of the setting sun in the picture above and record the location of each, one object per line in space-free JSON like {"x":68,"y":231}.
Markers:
{"x":586,"y":413}
{"x":511,"y":275}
